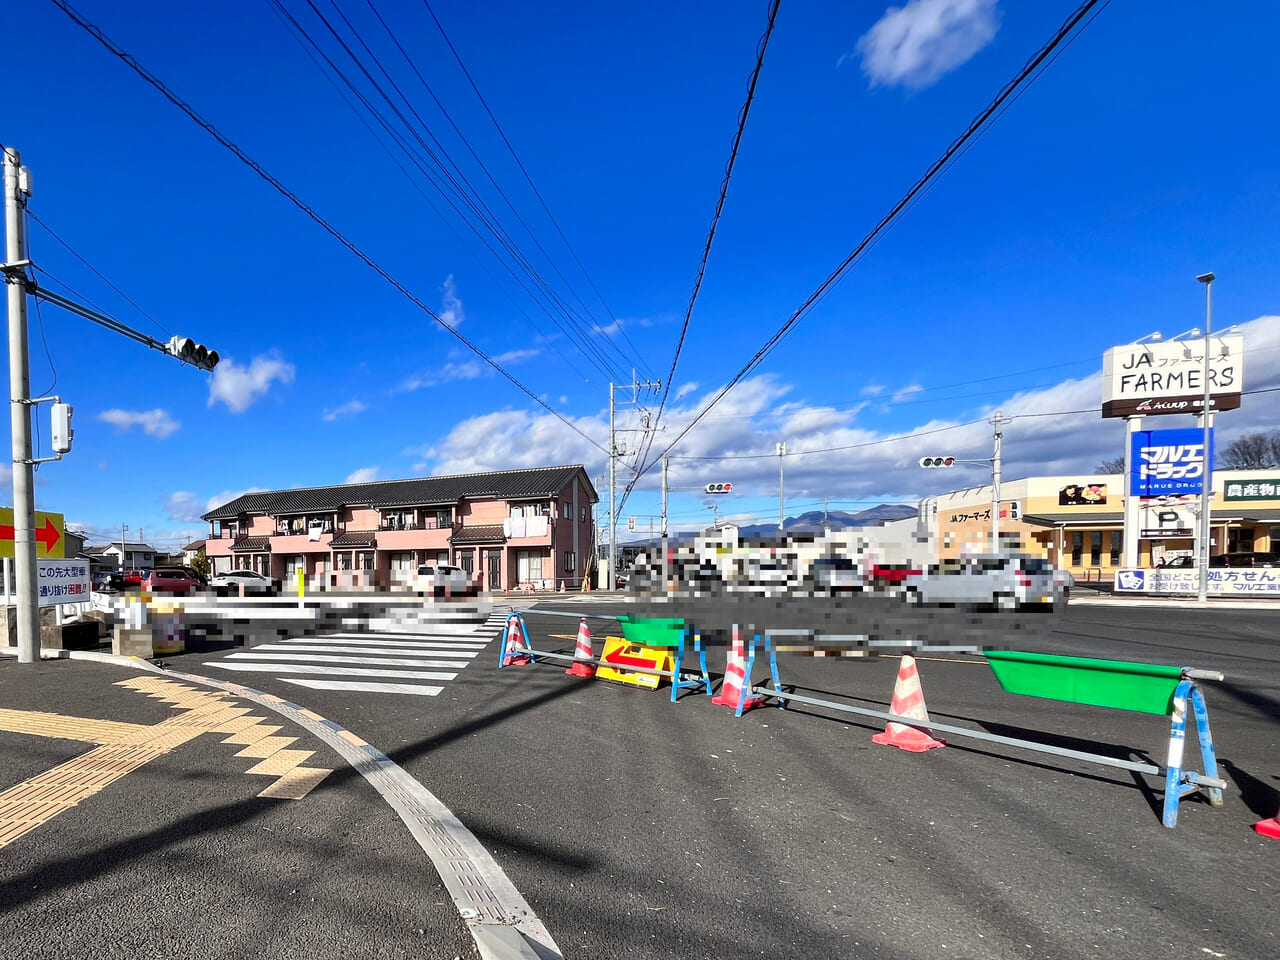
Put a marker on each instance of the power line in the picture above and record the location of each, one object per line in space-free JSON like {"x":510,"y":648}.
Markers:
{"x":293,"y":198}
{"x":974,"y":129}
{"x":761,"y":47}
{"x":528,"y":179}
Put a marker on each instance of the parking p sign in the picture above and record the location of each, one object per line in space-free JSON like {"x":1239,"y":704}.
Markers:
{"x":1169,"y":462}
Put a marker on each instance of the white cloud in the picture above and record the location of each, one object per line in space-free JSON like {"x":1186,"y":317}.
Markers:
{"x":515,"y":356}
{"x":687,"y":389}
{"x":907,"y":392}
{"x":240,"y":387}
{"x":914,"y":45}
{"x":451,"y":371}
{"x":363,"y":475}
{"x":154,"y":423}
{"x":450,"y":304}
{"x":873,"y":389}
{"x":1044,"y":438}
{"x":184,"y":507}
{"x":348,"y":409}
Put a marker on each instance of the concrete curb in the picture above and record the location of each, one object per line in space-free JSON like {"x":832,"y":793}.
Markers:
{"x":500,"y":920}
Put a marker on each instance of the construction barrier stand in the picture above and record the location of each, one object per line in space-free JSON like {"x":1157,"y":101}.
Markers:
{"x":620,"y":653}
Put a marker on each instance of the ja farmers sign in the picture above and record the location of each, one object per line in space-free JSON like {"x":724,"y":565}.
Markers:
{"x":1152,"y":379}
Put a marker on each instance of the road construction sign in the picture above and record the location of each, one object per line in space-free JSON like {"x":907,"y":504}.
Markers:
{"x":50,"y":543}
{"x":619,"y":654}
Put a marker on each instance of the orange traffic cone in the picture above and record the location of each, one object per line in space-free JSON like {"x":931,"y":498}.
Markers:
{"x":735,"y":676}
{"x":582,"y":653}
{"x":908,"y":701}
{"x":515,"y":655}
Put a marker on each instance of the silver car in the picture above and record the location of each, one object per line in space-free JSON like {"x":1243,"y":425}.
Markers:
{"x":1003,"y":581}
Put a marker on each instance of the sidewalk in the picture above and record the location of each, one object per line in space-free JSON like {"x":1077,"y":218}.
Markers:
{"x":143,"y":816}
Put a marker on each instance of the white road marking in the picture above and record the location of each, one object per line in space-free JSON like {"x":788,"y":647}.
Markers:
{"x":321,"y":658}
{"x":432,"y":650}
{"x":360,"y":686}
{"x":385,"y":644}
{"x":337,"y":671}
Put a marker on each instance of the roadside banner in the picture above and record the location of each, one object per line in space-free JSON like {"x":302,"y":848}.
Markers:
{"x":62,"y":581}
{"x":1246,"y":581}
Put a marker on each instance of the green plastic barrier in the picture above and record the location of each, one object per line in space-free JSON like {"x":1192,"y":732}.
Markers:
{"x":1144,"y":687}
{"x":652,"y":632}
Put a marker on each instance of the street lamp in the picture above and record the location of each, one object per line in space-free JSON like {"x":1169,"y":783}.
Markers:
{"x":1206,"y":488}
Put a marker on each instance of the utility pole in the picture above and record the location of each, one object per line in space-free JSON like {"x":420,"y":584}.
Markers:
{"x":16,"y":190}
{"x":826,"y":514}
{"x":664,"y":525}
{"x":123,"y":528}
{"x":995,"y":486}
{"x":635,"y":386}
{"x":782,"y":496}
{"x":1206,"y":419}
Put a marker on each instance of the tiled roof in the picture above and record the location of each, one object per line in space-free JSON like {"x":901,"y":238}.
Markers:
{"x":486,"y":534}
{"x":354,"y":538}
{"x":256,"y":544}
{"x":535,"y":483}
{"x":194,"y":545}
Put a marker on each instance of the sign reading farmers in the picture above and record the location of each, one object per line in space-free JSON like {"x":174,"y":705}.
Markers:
{"x":1152,"y":379}
{"x":1082,"y":495}
{"x":1168,"y":462}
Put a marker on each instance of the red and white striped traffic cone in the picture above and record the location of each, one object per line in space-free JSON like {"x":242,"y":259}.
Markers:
{"x":582,"y":666}
{"x":514,"y":656}
{"x":735,"y":676}
{"x":908,"y":701}
{"x":1269,"y":828}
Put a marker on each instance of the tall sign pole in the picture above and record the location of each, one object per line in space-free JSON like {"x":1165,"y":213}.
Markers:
{"x":1132,"y":506}
{"x":995,"y":485}
{"x":782,"y":495}
{"x":664,"y":524}
{"x":24,"y":504}
{"x":1206,"y":418}
{"x":611,"y":577}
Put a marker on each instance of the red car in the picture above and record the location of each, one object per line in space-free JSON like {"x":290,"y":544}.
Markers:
{"x":891,"y":573}
{"x":169,"y":580}
{"x":134,"y":578}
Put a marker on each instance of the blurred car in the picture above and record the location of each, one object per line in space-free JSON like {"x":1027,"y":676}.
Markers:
{"x":834,"y":575}
{"x":892,"y":574}
{"x":134,"y":577}
{"x":108,"y":581}
{"x":250,"y":580}
{"x":1003,"y":581}
{"x":769,"y":578}
{"x":170,"y":580}
{"x":1177,"y":563}
{"x":442,"y":580}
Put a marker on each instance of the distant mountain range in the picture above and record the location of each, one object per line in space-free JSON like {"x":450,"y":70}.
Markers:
{"x":812,"y":521}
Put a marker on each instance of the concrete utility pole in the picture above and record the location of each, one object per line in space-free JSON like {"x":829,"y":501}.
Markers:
{"x":16,"y":190}
{"x":1206,"y":419}
{"x":995,"y":486}
{"x":635,"y":387}
{"x":664,"y":524}
{"x":782,"y":490}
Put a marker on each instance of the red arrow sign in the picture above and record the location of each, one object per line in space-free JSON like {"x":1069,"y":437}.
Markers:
{"x":618,"y":659}
{"x":48,"y":534}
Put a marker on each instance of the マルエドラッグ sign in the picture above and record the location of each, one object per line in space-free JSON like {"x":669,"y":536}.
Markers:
{"x":1168,"y":462}
{"x":1154,"y":379}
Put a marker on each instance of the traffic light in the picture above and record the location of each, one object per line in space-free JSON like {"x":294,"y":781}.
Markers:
{"x":1015,"y":509}
{"x":931,"y":462}
{"x":718,"y":488}
{"x":188,"y":351}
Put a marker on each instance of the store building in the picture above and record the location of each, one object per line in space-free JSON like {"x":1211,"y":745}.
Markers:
{"x":509,"y":530}
{"x":1078,"y":521}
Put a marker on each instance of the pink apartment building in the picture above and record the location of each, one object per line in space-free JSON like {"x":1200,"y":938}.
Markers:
{"x":509,"y":530}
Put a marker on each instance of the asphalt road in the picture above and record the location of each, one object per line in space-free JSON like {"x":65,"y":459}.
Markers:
{"x":638,"y":828}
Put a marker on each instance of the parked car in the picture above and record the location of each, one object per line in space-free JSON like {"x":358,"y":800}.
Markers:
{"x":170,"y":580}
{"x":134,"y":577}
{"x":109,"y":581}
{"x":768,"y":578}
{"x":1003,"y":581}
{"x":833,"y":575}
{"x":443,"y":580}
{"x":252,"y":582}
{"x":892,"y":574}
{"x":1177,"y":563}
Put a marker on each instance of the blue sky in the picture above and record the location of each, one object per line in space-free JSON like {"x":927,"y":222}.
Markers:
{"x":1143,"y":156}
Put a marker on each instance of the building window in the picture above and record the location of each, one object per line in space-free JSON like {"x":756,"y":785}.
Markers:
{"x":444,"y":518}
{"x":467,"y":561}
{"x":1240,"y":540}
{"x":343,"y":561}
{"x":1117,"y":547}
{"x":1095,"y":548}
{"x":1077,"y":547}
{"x":570,"y":562}
{"x":366,"y":561}
{"x":528,"y":565}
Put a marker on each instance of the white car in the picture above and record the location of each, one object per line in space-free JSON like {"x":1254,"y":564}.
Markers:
{"x":250,"y":580}
{"x":442,"y":580}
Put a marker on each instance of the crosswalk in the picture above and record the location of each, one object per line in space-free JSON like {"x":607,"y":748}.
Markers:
{"x":413,"y":664}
